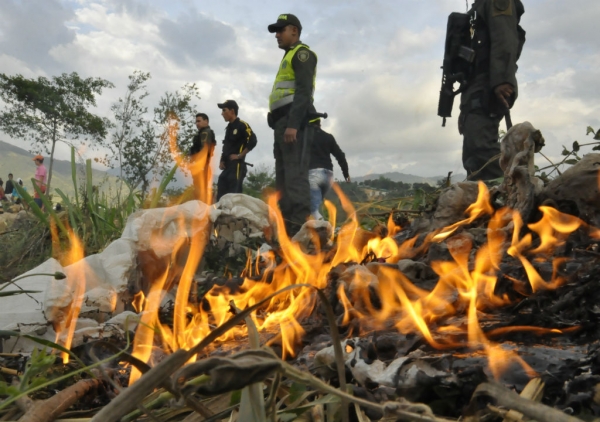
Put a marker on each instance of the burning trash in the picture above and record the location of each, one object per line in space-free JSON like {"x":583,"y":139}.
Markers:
{"x":491,"y":286}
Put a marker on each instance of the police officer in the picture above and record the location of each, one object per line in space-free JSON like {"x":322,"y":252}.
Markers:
{"x":239,"y":141}
{"x":290,"y":104}
{"x":492,"y":86}
{"x":201,"y":151}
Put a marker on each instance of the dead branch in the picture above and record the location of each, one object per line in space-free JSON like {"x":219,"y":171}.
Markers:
{"x":511,"y":400}
{"x":48,"y":410}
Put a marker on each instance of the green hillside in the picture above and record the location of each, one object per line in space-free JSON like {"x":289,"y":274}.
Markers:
{"x":18,"y":161}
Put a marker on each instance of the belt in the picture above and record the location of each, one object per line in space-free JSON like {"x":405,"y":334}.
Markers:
{"x":280,"y":112}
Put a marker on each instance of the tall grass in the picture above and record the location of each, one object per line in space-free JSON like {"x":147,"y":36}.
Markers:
{"x":95,"y":217}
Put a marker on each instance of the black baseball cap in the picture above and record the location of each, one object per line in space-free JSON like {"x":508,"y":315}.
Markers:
{"x":284,"y":20}
{"x":230,"y":104}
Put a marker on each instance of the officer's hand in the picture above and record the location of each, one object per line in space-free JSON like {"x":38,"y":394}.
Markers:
{"x":222,"y":165}
{"x":348,"y":179}
{"x":234,"y":157}
{"x":504,"y":92}
{"x":290,"y":135}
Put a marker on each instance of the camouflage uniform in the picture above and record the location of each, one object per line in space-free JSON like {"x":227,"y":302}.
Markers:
{"x":498,"y":41}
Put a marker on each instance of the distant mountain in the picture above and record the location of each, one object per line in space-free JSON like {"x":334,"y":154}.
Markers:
{"x":409,"y":178}
{"x":18,"y":161}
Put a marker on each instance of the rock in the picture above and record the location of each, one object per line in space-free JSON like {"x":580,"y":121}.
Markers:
{"x":416,"y":272}
{"x":520,"y":185}
{"x":305,"y":236}
{"x":576,"y":190}
{"x":452,"y":204}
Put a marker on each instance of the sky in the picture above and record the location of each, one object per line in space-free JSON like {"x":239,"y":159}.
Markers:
{"x":378,"y":74}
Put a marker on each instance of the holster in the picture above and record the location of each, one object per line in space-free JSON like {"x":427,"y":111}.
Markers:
{"x":270,"y":121}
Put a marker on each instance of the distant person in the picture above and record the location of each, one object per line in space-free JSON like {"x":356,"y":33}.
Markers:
{"x":320,"y":173}
{"x":39,"y":178}
{"x":9,"y":185}
{"x":2,"y":194}
{"x":16,"y":197}
{"x":239,"y":141}
{"x":201,"y":151}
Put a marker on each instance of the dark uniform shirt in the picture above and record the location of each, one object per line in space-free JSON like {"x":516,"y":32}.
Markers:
{"x":501,"y":40}
{"x":238,"y":136}
{"x":205,"y":136}
{"x":321,"y":149}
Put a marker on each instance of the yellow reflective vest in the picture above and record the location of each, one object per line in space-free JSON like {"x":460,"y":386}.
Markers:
{"x":285,"y":82}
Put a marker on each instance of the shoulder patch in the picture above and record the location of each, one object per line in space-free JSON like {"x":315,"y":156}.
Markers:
{"x":502,"y":7}
{"x":303,"y":55}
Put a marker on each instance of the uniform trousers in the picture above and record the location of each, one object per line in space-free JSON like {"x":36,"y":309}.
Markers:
{"x":291,"y":175}
{"x":480,"y":143}
{"x":232,"y":178}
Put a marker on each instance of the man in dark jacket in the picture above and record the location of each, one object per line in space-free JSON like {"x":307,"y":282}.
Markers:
{"x":9,"y":185}
{"x":320,"y":173}
{"x":201,"y":151}
{"x":290,"y":105}
{"x":239,"y":141}
{"x":492,"y":86}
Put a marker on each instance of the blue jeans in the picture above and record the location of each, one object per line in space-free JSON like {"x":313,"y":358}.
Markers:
{"x":320,"y":181}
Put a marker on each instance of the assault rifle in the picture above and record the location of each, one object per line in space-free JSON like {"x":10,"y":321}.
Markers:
{"x":458,"y":58}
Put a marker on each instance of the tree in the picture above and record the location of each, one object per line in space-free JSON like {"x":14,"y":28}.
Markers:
{"x":46,"y":111}
{"x":258,"y":180}
{"x":129,"y":113}
{"x":143,"y":146}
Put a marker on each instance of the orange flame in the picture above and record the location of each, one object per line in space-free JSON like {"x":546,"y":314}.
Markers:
{"x":480,"y":207}
{"x":75,"y":283}
{"x":197,"y":165}
{"x":466,"y":283}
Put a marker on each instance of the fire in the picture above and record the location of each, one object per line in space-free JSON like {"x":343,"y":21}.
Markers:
{"x":138,"y":301}
{"x":72,"y":253}
{"x":465,"y":284}
{"x":477,"y":209}
{"x":198,"y":165}
{"x":380,"y":296}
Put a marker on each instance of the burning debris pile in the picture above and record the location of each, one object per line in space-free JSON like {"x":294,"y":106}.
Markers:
{"x":491,"y":286}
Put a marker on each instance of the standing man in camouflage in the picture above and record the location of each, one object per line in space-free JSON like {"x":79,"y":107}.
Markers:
{"x":491,"y":90}
{"x":290,"y":105}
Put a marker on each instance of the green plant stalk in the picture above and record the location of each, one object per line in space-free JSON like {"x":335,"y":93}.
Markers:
{"x":87,"y":369}
{"x":73,"y":211}
{"x":74,"y":175}
{"x":57,"y":275}
{"x":49,"y":210}
{"x":338,"y":352}
{"x":163,"y":185}
{"x":32,"y":205}
{"x":89,"y":188}
{"x":17,"y":292}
